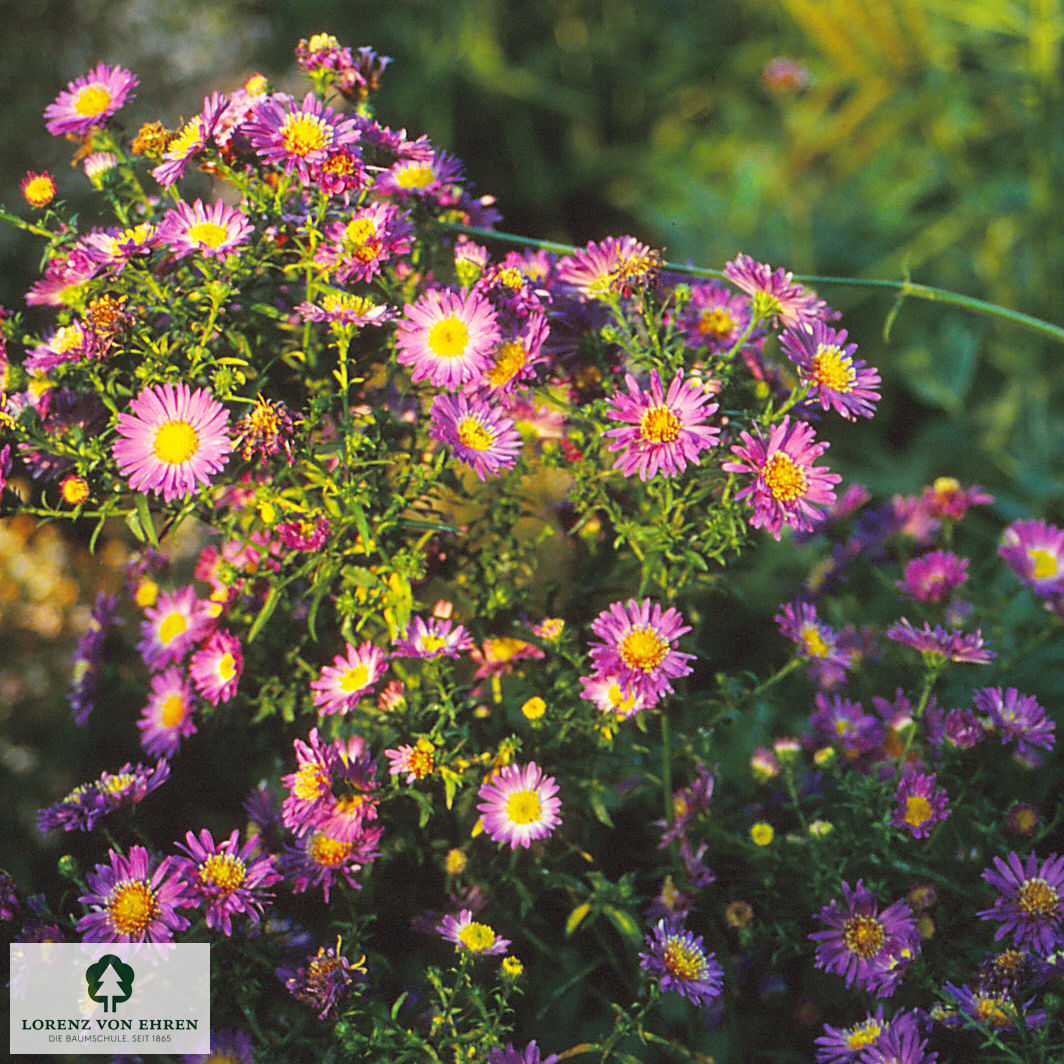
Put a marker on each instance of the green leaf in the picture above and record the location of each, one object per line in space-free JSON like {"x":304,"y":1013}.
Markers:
{"x":598,"y":807}
{"x":146,"y":523}
{"x":264,"y":614}
{"x":624,"y":922}
{"x":576,"y":917}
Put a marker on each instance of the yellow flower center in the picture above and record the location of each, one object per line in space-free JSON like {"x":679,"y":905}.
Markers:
{"x":174,"y":624}
{"x":302,"y":134}
{"x":131,"y":907}
{"x":173,"y":710}
{"x":716,"y":323}
{"x":864,"y":935}
{"x":833,"y":368}
{"x":472,"y":434}
{"x":642,"y":649}
{"x":523,"y":807}
{"x":477,"y":937}
{"x":359,"y":231}
{"x":226,"y":667}
{"x":994,"y":1011}
{"x":415,"y":177}
{"x":622,"y":704}
{"x":511,"y":277}
{"x":147,"y":594}
{"x":1038,"y":898}
{"x":354,"y":678}
{"x":113,"y":784}
{"x":321,"y":41}
{"x":1045,"y":565}
{"x":39,"y":191}
{"x":683,"y":961}
{"x":864,"y":1034}
{"x":223,"y":870}
{"x":91,"y":100}
{"x":68,"y":338}
{"x":175,"y":442}
{"x":917,"y":810}
{"x":311,"y":782}
{"x":509,"y":361}
{"x":421,"y":762}
{"x":659,"y":425}
{"x":785,"y":480}
{"x":74,"y":490}
{"x":185,"y":142}
{"x":327,"y":851}
{"x":430,"y":642}
{"x":448,"y":338}
{"x":815,"y":644}
{"x":209,"y":234}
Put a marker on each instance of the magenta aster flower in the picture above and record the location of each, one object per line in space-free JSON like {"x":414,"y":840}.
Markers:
{"x":225,"y":878}
{"x":190,"y":140}
{"x":1030,"y":905}
{"x":515,"y":360}
{"x":866,"y":946}
{"x":216,"y":667}
{"x":775,"y":295}
{"x":638,"y":647}
{"x":89,"y":101}
{"x":298,"y":137}
{"x":167,"y":718}
{"x":423,"y":177}
{"x":519,"y":804}
{"x":324,"y":980}
{"x":606,"y":267}
{"x":1034,"y":551}
{"x":417,"y":760}
{"x":681,"y":964}
{"x":348,"y":678}
{"x":934,"y":576}
{"x":714,"y":317}
{"x":433,"y":638}
{"x":787,"y":488}
{"x":664,"y":431}
{"x":605,"y":690}
{"x":358,"y":247}
{"x":816,"y":642}
{"x":920,"y":806}
{"x":951,"y":645}
{"x":480,"y":435}
{"x":177,"y":621}
{"x":470,"y":936}
{"x":826,"y":362}
{"x":1019,"y":717}
{"x":310,"y":786}
{"x":447,"y":338}
{"x":172,"y":440}
{"x":319,"y":859}
{"x":214,"y":231}
{"x":133,"y":901}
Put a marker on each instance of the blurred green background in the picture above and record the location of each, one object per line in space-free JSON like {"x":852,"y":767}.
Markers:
{"x":906,"y":136}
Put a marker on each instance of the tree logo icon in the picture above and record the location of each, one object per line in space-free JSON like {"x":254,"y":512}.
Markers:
{"x":110,"y":981}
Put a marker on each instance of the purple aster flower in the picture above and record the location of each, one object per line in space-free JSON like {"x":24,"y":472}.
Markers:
{"x":320,"y":859}
{"x":133,"y":900}
{"x":787,"y":488}
{"x":844,"y":1045}
{"x":638,"y":647}
{"x":1034,"y":551}
{"x":433,"y":638}
{"x":424,"y":176}
{"x":866,"y":946}
{"x":225,"y":878}
{"x":825,"y":362}
{"x":988,"y":1008}
{"x":298,"y":137}
{"x":324,"y":980}
{"x":843,"y":721}
{"x":479,"y":434}
{"x":1030,"y":905}
{"x":88,"y":655}
{"x":949,"y":645}
{"x":228,"y":1046}
{"x":920,"y":807}
{"x":714,"y":318}
{"x":900,"y":1043}
{"x":829,"y":657}
{"x":529,"y":1055}
{"x":471,"y":937}
{"x":1019,"y":717}
{"x":934,"y":576}
{"x":681,"y":963}
{"x":665,"y":431}
{"x":85,"y":804}
{"x":89,"y":101}
{"x":775,"y":295}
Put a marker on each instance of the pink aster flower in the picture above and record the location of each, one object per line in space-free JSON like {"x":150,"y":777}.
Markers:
{"x":1030,"y":902}
{"x":515,"y":360}
{"x":447,"y":338}
{"x":177,"y":621}
{"x":816,"y":641}
{"x":433,"y":638}
{"x":172,"y":440}
{"x":298,"y":137}
{"x":471,"y":937}
{"x":681,"y":963}
{"x":787,"y":488}
{"x":480,"y":435}
{"x":357,"y":247}
{"x":826,"y":362}
{"x":1034,"y":551}
{"x":519,"y":804}
{"x":167,"y":718}
{"x":214,"y":231}
{"x":216,"y":667}
{"x":310,"y":786}
{"x":190,"y":140}
{"x":616,"y":264}
{"x":920,"y":806}
{"x":351,"y":675}
{"x":714,"y":318}
{"x":866,"y":946}
{"x":423,"y":177}
{"x":225,"y":878}
{"x":605,"y":690}
{"x":665,"y":431}
{"x":952,"y":645}
{"x":934,"y":576}
{"x":133,"y":900}
{"x":417,"y":760}
{"x":89,"y":101}
{"x":774,"y":293}
{"x":638,"y":647}
{"x":1019,"y":717}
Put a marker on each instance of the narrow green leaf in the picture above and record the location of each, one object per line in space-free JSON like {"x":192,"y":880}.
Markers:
{"x":575,"y":918}
{"x":146,"y":523}
{"x":624,"y":922}
{"x":264,"y":614}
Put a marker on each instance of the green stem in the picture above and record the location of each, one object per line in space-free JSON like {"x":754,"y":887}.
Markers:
{"x":903,"y":288}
